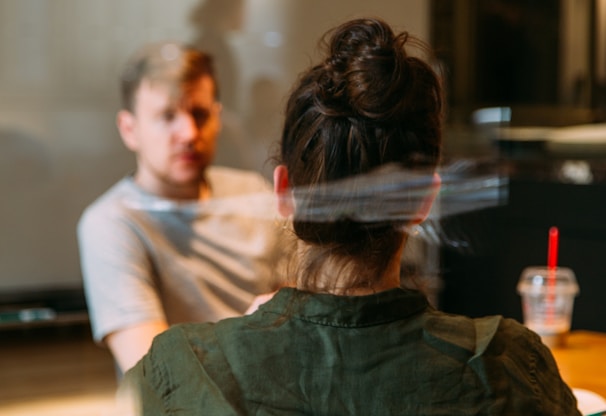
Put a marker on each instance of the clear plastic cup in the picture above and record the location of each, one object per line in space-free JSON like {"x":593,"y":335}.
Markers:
{"x":547,"y":302}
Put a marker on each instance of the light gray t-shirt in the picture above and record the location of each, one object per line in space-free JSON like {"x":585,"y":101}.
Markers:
{"x":145,"y":258}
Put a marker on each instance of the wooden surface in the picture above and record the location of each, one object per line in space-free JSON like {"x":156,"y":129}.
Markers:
{"x":54,"y":372}
{"x":582,"y":361}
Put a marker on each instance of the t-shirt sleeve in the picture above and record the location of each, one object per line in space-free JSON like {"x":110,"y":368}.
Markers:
{"x":117,"y":271}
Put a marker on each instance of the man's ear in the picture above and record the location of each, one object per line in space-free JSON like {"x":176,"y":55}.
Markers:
{"x":429,"y":199}
{"x":125,"y":121}
{"x":219,"y":110}
{"x":283,"y":192}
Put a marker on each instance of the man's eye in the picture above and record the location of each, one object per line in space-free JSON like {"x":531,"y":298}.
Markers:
{"x":169,"y":115}
{"x":200,"y":115}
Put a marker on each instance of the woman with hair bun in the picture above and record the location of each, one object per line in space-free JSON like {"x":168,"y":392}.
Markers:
{"x":359,"y":150}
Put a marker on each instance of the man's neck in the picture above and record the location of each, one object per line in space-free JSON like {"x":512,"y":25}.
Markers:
{"x":195,"y":191}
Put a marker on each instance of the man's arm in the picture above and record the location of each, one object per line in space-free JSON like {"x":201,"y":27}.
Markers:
{"x":258,"y":301}
{"x":123,"y":302}
{"x":129,"y":345}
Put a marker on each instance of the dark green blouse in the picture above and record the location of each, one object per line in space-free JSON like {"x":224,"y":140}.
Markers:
{"x":316,"y":354}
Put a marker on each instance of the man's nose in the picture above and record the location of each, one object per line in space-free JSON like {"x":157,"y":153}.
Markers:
{"x":187,"y":126}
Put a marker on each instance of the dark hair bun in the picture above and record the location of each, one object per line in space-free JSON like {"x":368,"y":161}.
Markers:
{"x":365,"y":72}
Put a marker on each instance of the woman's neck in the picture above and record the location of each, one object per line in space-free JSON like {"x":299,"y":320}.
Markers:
{"x":334,"y":278}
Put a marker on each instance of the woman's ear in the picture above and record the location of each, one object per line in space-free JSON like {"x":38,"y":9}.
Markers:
{"x":429,"y":199}
{"x":283,"y":192}
{"x":125,"y":120}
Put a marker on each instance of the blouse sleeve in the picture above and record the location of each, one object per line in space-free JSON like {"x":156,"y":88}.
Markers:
{"x":534,"y":385}
{"x":175,"y":377}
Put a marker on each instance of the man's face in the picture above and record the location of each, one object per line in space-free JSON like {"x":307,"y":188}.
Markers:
{"x":173,"y":136}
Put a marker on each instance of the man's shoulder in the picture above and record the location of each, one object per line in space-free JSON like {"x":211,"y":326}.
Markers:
{"x":110,"y":203}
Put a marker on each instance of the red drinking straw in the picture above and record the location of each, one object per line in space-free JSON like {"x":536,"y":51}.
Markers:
{"x":552,"y":264}
{"x":552,"y":254}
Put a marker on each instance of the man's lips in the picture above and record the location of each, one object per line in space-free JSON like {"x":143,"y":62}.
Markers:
{"x":191,"y":157}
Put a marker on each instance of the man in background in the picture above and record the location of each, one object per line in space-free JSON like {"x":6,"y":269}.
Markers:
{"x":168,"y":244}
